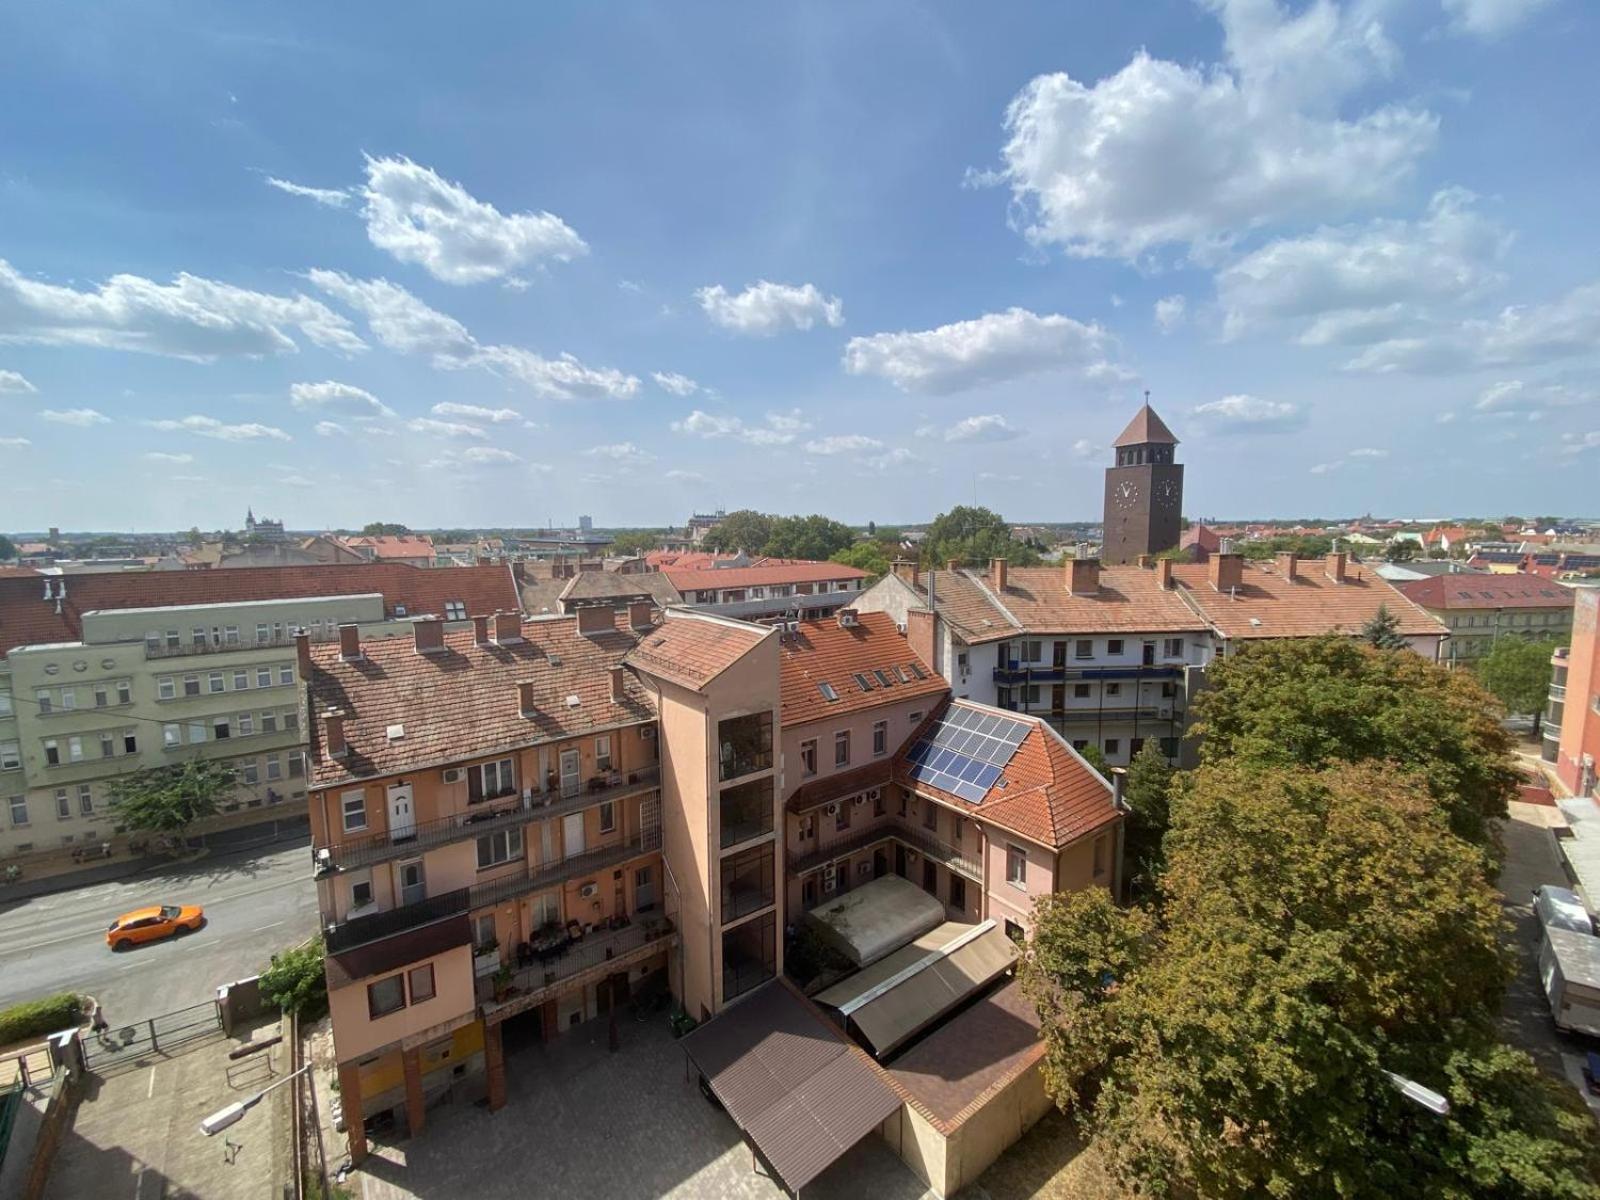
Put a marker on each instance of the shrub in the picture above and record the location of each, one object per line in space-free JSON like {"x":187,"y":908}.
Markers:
{"x":294,"y":981}
{"x":36,"y":1018}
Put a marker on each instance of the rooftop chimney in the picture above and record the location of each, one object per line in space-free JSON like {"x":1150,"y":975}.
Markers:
{"x":333,"y":743}
{"x":349,"y":643}
{"x":618,"y":682}
{"x":1164,"y":573}
{"x":997,"y":574}
{"x":480,"y":630}
{"x":1146,"y":561}
{"x":1287,"y":563}
{"x":1118,"y":775}
{"x":847,"y":618}
{"x":429,"y":635}
{"x":1227,"y":570}
{"x":525,"y":698}
{"x":507,"y":628}
{"x":1336,"y":565}
{"x":952,"y":564}
{"x":302,"y":652}
{"x":639,"y":613}
{"x":596,"y":618}
{"x":1083,"y":576}
{"x":905,"y":569}
{"x":484,"y":560}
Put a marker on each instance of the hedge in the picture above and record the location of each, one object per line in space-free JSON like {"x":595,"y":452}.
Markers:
{"x":36,"y":1018}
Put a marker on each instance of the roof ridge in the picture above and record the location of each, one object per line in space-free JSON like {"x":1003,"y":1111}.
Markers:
{"x":992,"y":598}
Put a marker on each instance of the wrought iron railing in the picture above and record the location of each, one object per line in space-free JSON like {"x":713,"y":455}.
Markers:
{"x":373,"y":927}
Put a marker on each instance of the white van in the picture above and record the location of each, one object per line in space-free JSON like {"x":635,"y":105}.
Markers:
{"x":1561,"y":908}
{"x":1569,"y":969}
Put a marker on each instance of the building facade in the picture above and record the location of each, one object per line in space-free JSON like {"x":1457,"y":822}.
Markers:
{"x":1479,"y":610}
{"x":1575,"y":699}
{"x":795,"y":590}
{"x":1143,"y":512}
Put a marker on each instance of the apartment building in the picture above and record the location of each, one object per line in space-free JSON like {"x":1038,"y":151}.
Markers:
{"x":1572,"y":737}
{"x":1479,"y":610}
{"x":109,"y":674}
{"x":798,"y":589}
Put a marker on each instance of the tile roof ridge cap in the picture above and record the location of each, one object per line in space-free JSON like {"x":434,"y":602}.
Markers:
{"x":1064,"y":744}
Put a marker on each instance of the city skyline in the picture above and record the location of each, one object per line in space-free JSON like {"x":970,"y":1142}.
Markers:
{"x":873,"y":264}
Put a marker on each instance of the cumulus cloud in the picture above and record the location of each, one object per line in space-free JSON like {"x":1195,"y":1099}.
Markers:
{"x":423,"y":219}
{"x":333,"y":397}
{"x":163,"y":457}
{"x":475,"y":412}
{"x":678,"y":385}
{"x":1084,"y":448}
{"x":560,"y":378}
{"x":210,"y":427}
{"x":896,"y":456}
{"x":1571,"y":443}
{"x":15,"y":441}
{"x":1170,"y":312}
{"x":330,"y":197}
{"x":989,"y":349}
{"x":990,"y":427}
{"x":487,"y":455}
{"x":1369,"y":452}
{"x":1490,"y":19}
{"x":1163,"y":153}
{"x":329,"y":429}
{"x":844,"y":443}
{"x":1513,"y":397}
{"x":680,"y":476}
{"x":780,"y":429}
{"x":191,"y":318}
{"x":13,"y":382}
{"x":764,"y":308}
{"x":81,"y":417}
{"x":1244,"y":413}
{"x":1326,"y":468}
{"x":450,"y":429}
{"x":624,"y":454}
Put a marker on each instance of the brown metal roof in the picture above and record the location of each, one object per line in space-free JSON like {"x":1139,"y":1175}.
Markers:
{"x":1145,"y":428}
{"x":801,"y":1093}
{"x":414,"y":945}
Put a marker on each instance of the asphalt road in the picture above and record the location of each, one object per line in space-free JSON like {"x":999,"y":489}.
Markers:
{"x":256,"y":902}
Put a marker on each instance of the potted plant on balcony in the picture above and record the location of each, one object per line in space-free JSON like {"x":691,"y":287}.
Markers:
{"x":502,"y":983}
{"x":486,"y":957}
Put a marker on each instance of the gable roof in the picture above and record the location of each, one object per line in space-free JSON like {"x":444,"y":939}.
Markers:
{"x":765,"y":574}
{"x":1267,"y":604}
{"x":1486,"y":591}
{"x":691,"y":649}
{"x":1145,"y":428}
{"x":826,"y":652}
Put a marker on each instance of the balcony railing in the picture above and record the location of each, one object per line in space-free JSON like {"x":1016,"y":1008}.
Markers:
{"x":1558,"y":691}
{"x":185,"y":649}
{"x":599,"y":953}
{"x":587,"y":862}
{"x":482,"y":818}
{"x":376,"y":926}
{"x":954,"y":857}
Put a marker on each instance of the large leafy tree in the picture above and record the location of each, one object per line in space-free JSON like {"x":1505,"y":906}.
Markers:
{"x":744,"y":529}
{"x":1401,"y":550}
{"x":1518,"y":674}
{"x":8,"y":548}
{"x":384,"y":529}
{"x":169,"y":799}
{"x":1316,"y":702}
{"x":1147,"y":792}
{"x":972,"y":536}
{"x":868,"y":556}
{"x":636,"y":541}
{"x":815,"y":537}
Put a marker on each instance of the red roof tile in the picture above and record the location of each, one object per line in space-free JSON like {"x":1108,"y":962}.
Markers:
{"x":691,"y":649}
{"x":825,"y":652}
{"x":760,"y":576}
{"x":1486,"y":591}
{"x":1269,"y":605}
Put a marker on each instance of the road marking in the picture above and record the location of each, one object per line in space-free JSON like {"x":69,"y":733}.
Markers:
{"x":151,"y":1090}
{"x":264,"y":928}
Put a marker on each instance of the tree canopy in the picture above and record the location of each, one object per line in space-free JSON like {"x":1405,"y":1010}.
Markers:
{"x":636,"y":541}
{"x":384,"y":529}
{"x":973,"y":536}
{"x":1517,"y":673}
{"x":1147,"y":793}
{"x":8,"y":548}
{"x":1401,"y":550}
{"x":169,"y":799}
{"x":744,"y":529}
{"x":1315,"y":702}
{"x":814,"y":537}
{"x":1305,"y":547}
{"x":868,"y":556}
{"x":295,"y":980}
{"x":1383,"y":630}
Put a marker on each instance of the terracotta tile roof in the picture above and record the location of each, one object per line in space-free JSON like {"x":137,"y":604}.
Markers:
{"x":1046,"y":792}
{"x":760,"y":576}
{"x":1204,"y":536}
{"x":18,"y":572}
{"x":610,"y":585}
{"x":1486,"y":591}
{"x":390,"y":546}
{"x":1129,"y":600}
{"x":1268,"y":605}
{"x":26,"y":618}
{"x":1144,"y":428}
{"x":830,"y":787}
{"x":691,"y":649}
{"x":465,"y":702}
{"x":824,"y":652}
{"x":684,"y":560}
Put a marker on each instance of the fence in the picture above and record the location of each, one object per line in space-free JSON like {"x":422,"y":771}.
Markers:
{"x":123,"y":1047}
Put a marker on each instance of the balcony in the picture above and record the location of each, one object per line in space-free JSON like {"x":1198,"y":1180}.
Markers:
{"x":592,"y":959}
{"x":186,"y":649}
{"x":545,"y":875}
{"x":374,"y":927}
{"x":1017,"y":672}
{"x":1558,"y":691}
{"x":954,"y":857}
{"x":484,"y":817}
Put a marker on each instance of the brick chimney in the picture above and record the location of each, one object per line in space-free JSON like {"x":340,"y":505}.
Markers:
{"x":507,"y":628}
{"x":1227,"y":571}
{"x":639,"y":614}
{"x":1164,"y":574}
{"x":349,"y":643}
{"x":1288,"y":563}
{"x":618,"y":683}
{"x":480,"y":630}
{"x":1083,"y":576}
{"x":952,"y":565}
{"x":302,"y":652}
{"x":525,"y":698}
{"x":429,"y":635}
{"x":1336,"y":565}
{"x":905,"y":569}
{"x":333,"y":743}
{"x":997,"y":574}
{"x":1146,"y":561}
{"x":595,"y":618}
{"x":485,"y":561}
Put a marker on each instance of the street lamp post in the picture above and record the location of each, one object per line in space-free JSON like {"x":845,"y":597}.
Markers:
{"x":1418,"y":1094}
{"x":234,"y":1113}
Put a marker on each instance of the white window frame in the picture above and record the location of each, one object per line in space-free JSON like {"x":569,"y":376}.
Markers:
{"x":1016,"y":856}
{"x":18,"y":805}
{"x":286,"y":674}
{"x":264,"y":677}
{"x":167,"y":688}
{"x":171,"y":735}
{"x":602,"y":752}
{"x":353,"y":803}
{"x":880,"y":738}
{"x":505,"y":842}
{"x":63,"y":805}
{"x":10,"y":756}
{"x":216,"y":681}
{"x":274,"y":767}
{"x":608,"y":816}
{"x":246,"y":724}
{"x":241,"y":680}
{"x":249,"y":771}
{"x":841,"y":748}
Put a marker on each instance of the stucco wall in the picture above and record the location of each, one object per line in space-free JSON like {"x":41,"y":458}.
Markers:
{"x":356,"y":1034}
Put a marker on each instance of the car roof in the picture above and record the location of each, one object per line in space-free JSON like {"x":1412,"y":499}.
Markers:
{"x":1561,"y":895}
{"x":152,"y":910}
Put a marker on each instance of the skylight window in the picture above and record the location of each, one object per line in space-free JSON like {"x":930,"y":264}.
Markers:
{"x":455,"y":610}
{"x":916,"y":669}
{"x":862,"y":681}
{"x":883,"y":678}
{"x":827,"y":691}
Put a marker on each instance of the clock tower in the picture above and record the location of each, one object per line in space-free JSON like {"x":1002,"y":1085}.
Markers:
{"x":1144,"y":491}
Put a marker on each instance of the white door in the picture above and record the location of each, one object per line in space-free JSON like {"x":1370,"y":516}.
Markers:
{"x":402,"y":820}
{"x":571,"y":765}
{"x":572,"y":834}
{"x":413,"y":886}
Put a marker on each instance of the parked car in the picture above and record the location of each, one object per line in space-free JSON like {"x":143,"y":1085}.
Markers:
{"x":154,"y":923}
{"x":1561,"y":908}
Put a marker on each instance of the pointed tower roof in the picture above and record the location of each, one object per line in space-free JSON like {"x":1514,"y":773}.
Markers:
{"x":1146,"y":428}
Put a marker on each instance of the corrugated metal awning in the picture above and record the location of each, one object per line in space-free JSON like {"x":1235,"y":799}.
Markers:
{"x":802,"y":1094}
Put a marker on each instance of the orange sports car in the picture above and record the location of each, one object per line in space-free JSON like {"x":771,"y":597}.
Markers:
{"x":153,"y":923}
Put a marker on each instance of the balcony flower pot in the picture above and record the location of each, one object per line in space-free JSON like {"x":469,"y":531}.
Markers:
{"x":502,"y":983}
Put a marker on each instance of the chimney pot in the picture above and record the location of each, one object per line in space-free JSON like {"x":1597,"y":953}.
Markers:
{"x":349,"y":643}
{"x":525,"y":698}
{"x":952,"y":564}
{"x":596,"y":618}
{"x":1164,"y":573}
{"x":507,"y":628}
{"x":997,"y":574}
{"x":428,"y":634}
{"x":1146,"y":561}
{"x":1118,"y":776}
{"x":333,"y":743}
{"x":618,"y":682}
{"x":480,"y":631}
{"x":906,"y":570}
{"x":1227,"y":571}
{"x":1083,"y":576}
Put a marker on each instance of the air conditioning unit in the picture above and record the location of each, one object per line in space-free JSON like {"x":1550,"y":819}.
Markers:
{"x":647,"y":733}
{"x":451,"y":775}
{"x":830,"y":877}
{"x":589,"y":890}
{"x":1165,"y":712}
{"x":831,"y":809}
{"x":860,"y":800}
{"x":872,"y":793}
{"x":792,"y":626}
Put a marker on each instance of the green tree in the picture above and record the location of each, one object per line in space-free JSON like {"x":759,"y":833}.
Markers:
{"x":295,"y":981}
{"x":744,"y":529}
{"x":636,"y":541}
{"x":973,"y":536}
{"x":1093,"y":755}
{"x":8,"y":548}
{"x":868,"y":556}
{"x":384,"y":529}
{"x":872,"y":529}
{"x":1401,"y":550}
{"x":815,"y":537}
{"x":169,"y":799}
{"x":1518,"y":675}
{"x":1314,"y":702}
{"x":1383,"y":630}
{"x":1147,"y":792}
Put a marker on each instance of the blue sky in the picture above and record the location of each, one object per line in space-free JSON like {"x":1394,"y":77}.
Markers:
{"x":344,"y":263}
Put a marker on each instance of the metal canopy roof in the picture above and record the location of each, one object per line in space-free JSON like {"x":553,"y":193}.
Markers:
{"x":801,"y":1093}
{"x":876,"y":919}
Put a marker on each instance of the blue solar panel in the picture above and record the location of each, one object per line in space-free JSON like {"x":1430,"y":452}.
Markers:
{"x":966,"y":751}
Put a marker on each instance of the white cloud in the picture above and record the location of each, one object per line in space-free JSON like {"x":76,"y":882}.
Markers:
{"x":1084,"y":448}
{"x":678,"y":385}
{"x":81,"y":417}
{"x":1162,"y":153}
{"x":421,"y":218}
{"x":563,"y":378}
{"x":1248,"y":414}
{"x":192,"y":318}
{"x":1000,"y":477}
{"x":330,"y":396}
{"x":13,"y":382}
{"x":1490,"y":19}
{"x":487,"y":455}
{"x":764,"y":308}
{"x":990,"y":427}
{"x":475,"y":412}
{"x":176,"y":459}
{"x":1369,"y":452}
{"x":1512,"y":397}
{"x":15,"y":441}
{"x":452,"y":429}
{"x":780,"y":429}
{"x":1170,"y":312}
{"x":897,"y":456}
{"x":989,"y":349}
{"x":622,"y":453}
{"x":680,"y":476}
{"x":1326,"y":468}
{"x":1362,"y":283}
{"x":1519,"y":335}
{"x":1571,"y":443}
{"x":331,"y":197}
{"x":330,"y":429}
{"x":843,"y":443}
{"x":212,"y":428}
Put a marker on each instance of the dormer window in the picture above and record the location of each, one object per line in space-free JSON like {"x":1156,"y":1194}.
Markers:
{"x":455,"y":610}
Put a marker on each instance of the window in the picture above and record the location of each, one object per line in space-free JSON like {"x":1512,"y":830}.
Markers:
{"x":102,"y":695}
{"x":386,"y":996}
{"x":124,"y":692}
{"x":1016,"y":866}
{"x":361,"y":891}
{"x":85,"y":800}
{"x":354,"y":806}
{"x":1080,"y":691}
{"x":269,"y":722}
{"x":173,"y":641}
{"x":499,"y":847}
{"x":486,"y":781}
{"x":880,"y":738}
{"x":878,"y":806}
{"x":1032,"y":651}
{"x":744,"y":744}
{"x":5,"y":704}
{"x":1015,"y":932}
{"x":169,"y":736}
{"x":152,"y":640}
{"x":958,"y":891}
{"x":241,"y":680}
{"x":1174,"y":647}
{"x":1114,"y":646}
{"x":63,"y":805}
{"x":421,"y":981}
{"x":602,"y":753}
{"x":608,"y":817}
{"x":749,"y":955}
{"x":747,"y":882}
{"x":249,"y":772}
{"x":263,"y":631}
{"x":43,"y":702}
{"x":263,"y":676}
{"x":197,"y":732}
{"x":274,"y":767}
{"x":841,"y":748}
{"x":108,"y":745}
{"x":52,"y":753}
{"x":1080,"y":744}
{"x":19,"y":811}
{"x":930,"y":815}
{"x":191,"y":685}
{"x":166,"y":687}
{"x":455,"y":610}
{"x":746,"y":811}
{"x":230,"y":635}
{"x":286,"y":675}
{"x":297,"y":764}
{"x":291,"y":721}
{"x":828,"y":692}
{"x":221,"y":729}
{"x":808,"y":826}
{"x":200,"y":636}
{"x":1113,"y":689}
{"x":841,"y":816}
{"x":69,"y":699}
{"x":130,"y":742}
{"x":955,"y":828}
{"x":914,"y":718}
{"x":246,"y":723}
{"x":1083,"y":648}
{"x":930,"y":877}
{"x":808,"y":758}
{"x":1113,"y":746}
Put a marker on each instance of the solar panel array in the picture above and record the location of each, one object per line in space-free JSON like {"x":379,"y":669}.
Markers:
{"x":966,"y":751}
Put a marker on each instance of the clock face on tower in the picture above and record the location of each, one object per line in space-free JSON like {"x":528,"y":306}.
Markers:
{"x":1126,"y":494}
{"x":1167,"y":493}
